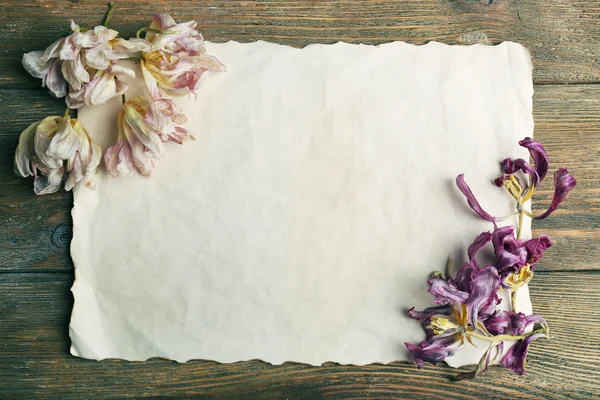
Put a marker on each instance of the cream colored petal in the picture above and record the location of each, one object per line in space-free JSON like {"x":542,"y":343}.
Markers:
{"x":66,"y":141}
{"x":100,"y":89}
{"x":33,"y":63}
{"x":44,"y":133}
{"x":54,"y":80}
{"x":24,"y":151}
{"x":49,"y":183}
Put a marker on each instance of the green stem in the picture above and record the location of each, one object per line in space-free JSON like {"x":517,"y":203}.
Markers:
{"x":148,"y":29}
{"x":123,"y":98}
{"x":501,"y":338}
{"x":513,"y":300}
{"x":520,"y":228}
{"x":66,"y":112}
{"x":111,"y":5}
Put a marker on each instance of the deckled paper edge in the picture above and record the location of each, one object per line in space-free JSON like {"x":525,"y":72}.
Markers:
{"x":78,"y":234}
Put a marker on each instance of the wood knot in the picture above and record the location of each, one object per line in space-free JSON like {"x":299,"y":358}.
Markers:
{"x":61,"y":235}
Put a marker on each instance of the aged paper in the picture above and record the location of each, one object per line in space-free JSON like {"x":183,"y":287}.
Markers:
{"x":308,"y":213}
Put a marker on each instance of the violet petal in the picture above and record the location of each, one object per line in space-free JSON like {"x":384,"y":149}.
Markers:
{"x":563,"y":183}
{"x":540,"y":158}
{"x":515,"y":358}
{"x":432,"y":351}
{"x":480,"y":241}
{"x":484,"y":285}
{"x":446,"y":292}
{"x":473,"y":203}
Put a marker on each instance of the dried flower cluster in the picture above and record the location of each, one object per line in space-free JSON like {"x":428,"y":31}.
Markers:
{"x":84,"y":67}
{"x":468,"y":304}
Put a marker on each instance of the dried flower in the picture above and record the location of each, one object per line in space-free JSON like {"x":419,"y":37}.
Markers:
{"x":563,"y":183}
{"x":55,"y":148}
{"x":143,"y":127}
{"x":83,"y":65}
{"x":177,"y":59}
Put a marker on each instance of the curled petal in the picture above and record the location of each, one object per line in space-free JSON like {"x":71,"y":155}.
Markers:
{"x":54,"y":80}
{"x":66,"y":141}
{"x":33,"y":63}
{"x":480,"y":241}
{"x":24,"y":153}
{"x":53,"y":50}
{"x":535,"y":247}
{"x":497,"y":324}
{"x":515,"y":358}
{"x":432,"y":351}
{"x":483,"y":287}
{"x":48,"y":183}
{"x":464,"y":276}
{"x":511,"y":166}
{"x":473,"y":203}
{"x":563,"y":183}
{"x":510,"y":253}
{"x":429,"y":312}
{"x":118,"y":159}
{"x":446,"y":292}
{"x":540,"y":158}
{"x":75,"y":73}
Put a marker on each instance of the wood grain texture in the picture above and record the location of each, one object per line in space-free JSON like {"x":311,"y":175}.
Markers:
{"x":34,"y":359}
{"x":561,"y":34}
{"x":35,"y":230}
{"x":36,"y":270}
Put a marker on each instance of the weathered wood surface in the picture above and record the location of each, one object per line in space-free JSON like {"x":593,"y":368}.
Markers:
{"x":36,"y":271}
{"x":561,"y":34}
{"x":34,"y":359}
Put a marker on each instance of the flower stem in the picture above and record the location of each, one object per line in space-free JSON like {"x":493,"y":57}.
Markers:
{"x":123,"y":98}
{"x":501,"y":338}
{"x":111,"y":5}
{"x":147,"y":29}
{"x":66,"y":112}
{"x":520,"y":228}
{"x":513,"y":300}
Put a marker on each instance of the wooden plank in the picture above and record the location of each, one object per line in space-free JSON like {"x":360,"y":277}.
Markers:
{"x":34,"y":358}
{"x":563,"y":36}
{"x":35,"y":231}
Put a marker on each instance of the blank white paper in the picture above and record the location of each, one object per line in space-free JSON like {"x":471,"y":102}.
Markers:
{"x":305,"y":218}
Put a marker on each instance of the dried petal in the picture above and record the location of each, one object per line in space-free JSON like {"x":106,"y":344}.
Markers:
{"x":515,"y":358}
{"x":483,"y":287}
{"x":445,"y":291}
{"x":432,"y":351}
{"x":34,"y":64}
{"x":535,"y":247}
{"x":540,"y":158}
{"x":473,"y":203}
{"x":563,"y":183}
{"x":510,"y":253}
{"x":509,"y":167}
{"x":480,"y":241}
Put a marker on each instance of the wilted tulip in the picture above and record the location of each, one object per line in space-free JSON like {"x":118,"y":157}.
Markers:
{"x":56,"y":149}
{"x":143,"y":126}
{"x":177,"y":59}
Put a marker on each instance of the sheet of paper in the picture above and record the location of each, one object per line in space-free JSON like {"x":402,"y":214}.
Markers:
{"x":305,"y":218}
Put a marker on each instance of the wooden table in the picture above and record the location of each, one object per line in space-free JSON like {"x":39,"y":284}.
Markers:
{"x":36,"y":271}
